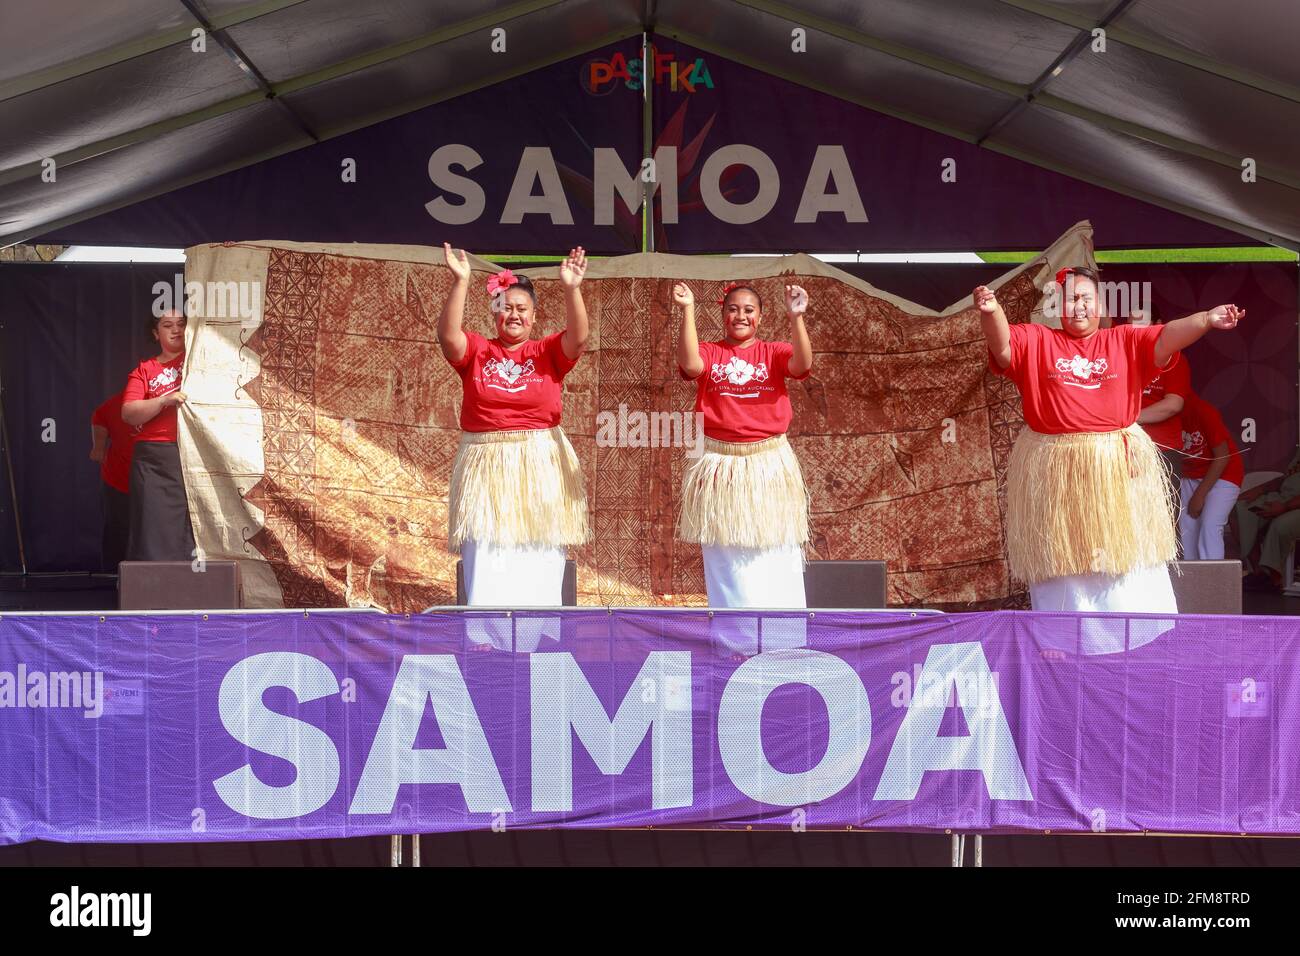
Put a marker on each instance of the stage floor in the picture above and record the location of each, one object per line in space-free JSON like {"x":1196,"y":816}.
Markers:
{"x":98,"y":592}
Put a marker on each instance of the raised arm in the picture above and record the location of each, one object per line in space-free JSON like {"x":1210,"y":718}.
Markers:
{"x":1180,"y":333}
{"x":576,"y":324}
{"x":997,"y":332}
{"x":451,"y":334}
{"x":688,"y":340}
{"x":796,"y":304}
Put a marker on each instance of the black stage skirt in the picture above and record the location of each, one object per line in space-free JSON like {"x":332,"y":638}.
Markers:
{"x":160,"y":518}
{"x":117,"y":526}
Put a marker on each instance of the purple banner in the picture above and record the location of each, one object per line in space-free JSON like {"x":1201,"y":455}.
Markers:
{"x":765,"y":165}
{"x":308,"y":725}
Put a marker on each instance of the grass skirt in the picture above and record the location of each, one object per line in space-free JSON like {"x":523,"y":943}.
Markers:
{"x":1087,"y":503}
{"x":744,"y":495}
{"x":517,"y":488}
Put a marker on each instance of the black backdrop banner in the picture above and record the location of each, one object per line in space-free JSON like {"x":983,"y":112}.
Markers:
{"x":69,"y":335}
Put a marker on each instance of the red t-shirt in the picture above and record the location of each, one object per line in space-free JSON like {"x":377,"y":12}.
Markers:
{"x":512,"y":389}
{"x":115,"y":469}
{"x":151,"y":379}
{"x":742,"y":391}
{"x":1203,"y":428}
{"x":1070,"y":384}
{"x":1174,"y":381}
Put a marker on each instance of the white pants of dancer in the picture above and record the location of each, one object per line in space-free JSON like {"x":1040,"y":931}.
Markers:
{"x":1203,"y":537}
{"x":512,"y":577}
{"x":1143,"y":591}
{"x":756,"y":577}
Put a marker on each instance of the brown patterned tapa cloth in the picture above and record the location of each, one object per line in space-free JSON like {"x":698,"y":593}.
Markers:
{"x":320,"y":430}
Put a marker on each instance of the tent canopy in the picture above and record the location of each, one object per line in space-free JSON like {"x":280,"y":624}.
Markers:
{"x":1183,"y":93}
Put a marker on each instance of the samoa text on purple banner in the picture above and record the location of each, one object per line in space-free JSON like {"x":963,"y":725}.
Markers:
{"x":296,"y":725}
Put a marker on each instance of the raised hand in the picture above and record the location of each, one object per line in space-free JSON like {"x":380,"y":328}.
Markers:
{"x":573,"y":268}
{"x":457,"y":262}
{"x":683,"y":295}
{"x":1225,"y":316}
{"x":796,"y":300}
{"x":985,"y":299}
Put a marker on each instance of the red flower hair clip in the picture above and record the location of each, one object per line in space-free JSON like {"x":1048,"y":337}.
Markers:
{"x":727,"y":289}
{"x":500,"y":282}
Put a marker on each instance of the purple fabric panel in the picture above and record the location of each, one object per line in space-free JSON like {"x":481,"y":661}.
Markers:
{"x":997,"y":722}
{"x":995,"y":202}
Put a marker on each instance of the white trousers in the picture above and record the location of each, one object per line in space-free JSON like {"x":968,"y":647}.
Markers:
{"x":512,"y":577}
{"x":1203,"y":537}
{"x":1143,"y":591}
{"x":755,"y":577}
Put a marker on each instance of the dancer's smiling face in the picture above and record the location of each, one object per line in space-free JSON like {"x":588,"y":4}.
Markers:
{"x":1080,"y":314}
{"x":514,"y":312}
{"x":741,"y":315}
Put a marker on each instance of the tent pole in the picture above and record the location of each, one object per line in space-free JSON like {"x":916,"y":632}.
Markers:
{"x":647,"y":148}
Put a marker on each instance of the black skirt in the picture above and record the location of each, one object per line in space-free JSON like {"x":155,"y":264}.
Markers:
{"x":160,"y":517}
{"x":117,"y":526}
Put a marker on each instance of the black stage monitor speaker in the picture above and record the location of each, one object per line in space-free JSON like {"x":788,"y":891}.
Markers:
{"x":1208,"y":587}
{"x":568,"y":589}
{"x":178,"y":586}
{"x":845,"y":583}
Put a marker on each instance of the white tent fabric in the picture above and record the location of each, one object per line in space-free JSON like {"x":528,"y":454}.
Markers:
{"x":1183,"y":93}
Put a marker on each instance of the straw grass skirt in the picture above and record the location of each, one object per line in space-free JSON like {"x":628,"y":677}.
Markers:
{"x":516,"y":503}
{"x":744,"y":495}
{"x":746,"y":505}
{"x":1090,"y":521}
{"x":516,"y":488}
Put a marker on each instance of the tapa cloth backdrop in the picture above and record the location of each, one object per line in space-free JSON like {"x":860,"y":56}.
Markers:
{"x":321,"y":424}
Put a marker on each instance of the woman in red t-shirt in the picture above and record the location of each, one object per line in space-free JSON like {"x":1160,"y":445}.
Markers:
{"x":160,"y":518}
{"x":1212,"y":474}
{"x":1090,"y":523}
{"x":112,"y":440}
{"x":517,"y":499}
{"x":744,"y":500}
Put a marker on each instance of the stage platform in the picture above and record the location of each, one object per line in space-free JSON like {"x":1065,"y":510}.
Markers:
{"x":652,"y":848}
{"x":77,"y":591}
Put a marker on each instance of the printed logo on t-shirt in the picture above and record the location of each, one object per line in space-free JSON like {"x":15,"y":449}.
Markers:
{"x":1082,"y":372}
{"x":738,"y":372}
{"x":164,"y":380}
{"x":1192,"y":442}
{"x":507,"y":371}
{"x":1152,"y":386}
